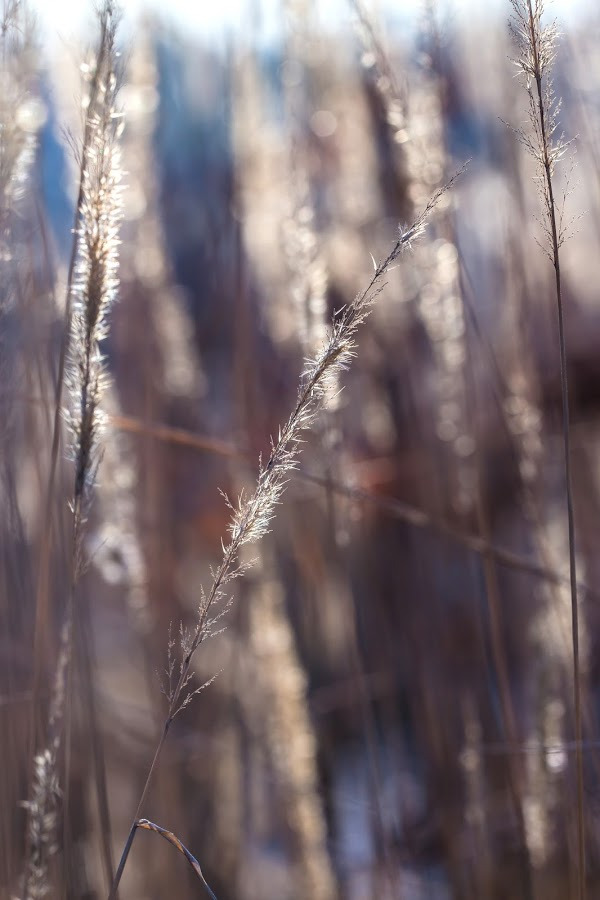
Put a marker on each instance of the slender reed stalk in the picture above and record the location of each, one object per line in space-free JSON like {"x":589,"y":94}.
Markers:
{"x":536,"y":46}
{"x":286,"y":721}
{"x":103,"y":56}
{"x":46,"y":545}
{"x":95,"y":284}
{"x":93,"y":289}
{"x":20,"y":119}
{"x":441,"y":308}
{"x":252,"y":516}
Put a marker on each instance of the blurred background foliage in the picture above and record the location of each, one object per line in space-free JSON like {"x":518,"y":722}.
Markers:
{"x":393,"y":712}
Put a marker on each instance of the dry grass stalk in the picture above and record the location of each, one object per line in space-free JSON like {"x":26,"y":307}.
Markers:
{"x":422,"y":157}
{"x":45,"y":796}
{"x":252,"y":515}
{"x":303,"y":232}
{"x":415,"y":121}
{"x":20,"y":110}
{"x":94,"y":73}
{"x":536,"y":46}
{"x":394,"y":100}
{"x":94,"y":288}
{"x":21,"y":115}
{"x":440,"y":296}
{"x":304,"y":256}
{"x":120,"y":557}
{"x":261,"y":181}
{"x":145,"y":262}
{"x":290,"y":737}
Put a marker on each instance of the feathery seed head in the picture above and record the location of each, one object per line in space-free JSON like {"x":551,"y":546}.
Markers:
{"x":536,"y":45}
{"x":252,"y":516}
{"x":96,"y":280}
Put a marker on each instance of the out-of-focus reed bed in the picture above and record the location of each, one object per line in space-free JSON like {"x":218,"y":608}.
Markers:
{"x":393,"y":714}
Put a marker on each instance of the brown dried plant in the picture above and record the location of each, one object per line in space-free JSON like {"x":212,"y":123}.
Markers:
{"x":93,"y":290}
{"x":19,"y":109}
{"x":536,"y":45}
{"x":94,"y":287}
{"x":21,"y":115}
{"x":252,"y":515}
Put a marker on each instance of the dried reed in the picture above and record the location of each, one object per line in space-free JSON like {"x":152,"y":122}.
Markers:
{"x":536,"y":48}
{"x":252,"y":516}
{"x":93,"y":290}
